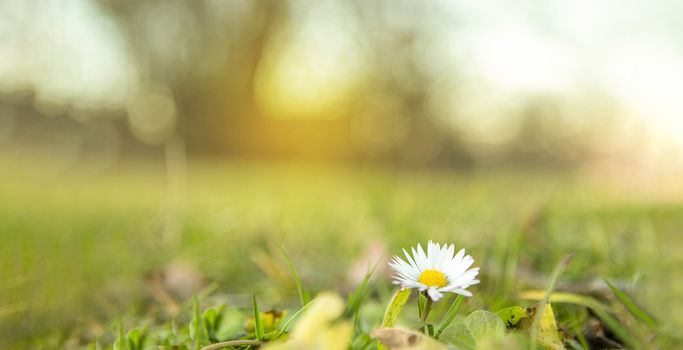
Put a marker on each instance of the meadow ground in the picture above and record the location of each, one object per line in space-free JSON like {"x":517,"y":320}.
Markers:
{"x":79,"y":251}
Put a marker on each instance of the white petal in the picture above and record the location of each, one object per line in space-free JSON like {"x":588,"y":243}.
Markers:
{"x":404,"y":268}
{"x":466,"y":277}
{"x":420,"y":258}
{"x":458,"y":257}
{"x":446,"y":256}
{"x":410,"y":260}
{"x":462,"y":292}
{"x":411,"y":284}
{"x":434,"y":294}
{"x":456,"y":270}
{"x":435,"y":256}
{"x":470,"y":283}
{"x":431,"y":254}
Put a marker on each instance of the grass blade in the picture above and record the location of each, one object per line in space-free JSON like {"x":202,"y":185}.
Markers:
{"x":294,"y":317}
{"x":357,"y":297}
{"x":450,"y":315}
{"x":632,"y":307}
{"x":258,"y":325}
{"x":303,"y":297}
{"x":196,"y":324}
{"x":201,"y":295}
{"x":616,"y":327}
{"x":565,"y":298}
{"x":120,"y":343}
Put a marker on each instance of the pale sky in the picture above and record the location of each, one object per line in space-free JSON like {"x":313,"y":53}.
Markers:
{"x":631,"y":50}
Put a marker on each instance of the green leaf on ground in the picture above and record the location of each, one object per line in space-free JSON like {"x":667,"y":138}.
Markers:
{"x":512,"y":316}
{"x":478,"y":330}
{"x":458,"y":334}
{"x":484,"y":326}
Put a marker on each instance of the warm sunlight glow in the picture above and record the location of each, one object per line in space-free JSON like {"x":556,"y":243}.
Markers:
{"x":309,"y":70}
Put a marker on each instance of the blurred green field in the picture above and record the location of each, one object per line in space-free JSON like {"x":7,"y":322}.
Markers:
{"x":76,"y":248}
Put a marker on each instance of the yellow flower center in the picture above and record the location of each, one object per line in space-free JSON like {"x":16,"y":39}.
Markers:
{"x":433,"y":278}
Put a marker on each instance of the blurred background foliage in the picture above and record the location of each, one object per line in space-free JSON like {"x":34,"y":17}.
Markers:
{"x":142,"y":139}
{"x":438,"y":83}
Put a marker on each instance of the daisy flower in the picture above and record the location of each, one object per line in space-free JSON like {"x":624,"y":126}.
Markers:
{"x":436,"y":272}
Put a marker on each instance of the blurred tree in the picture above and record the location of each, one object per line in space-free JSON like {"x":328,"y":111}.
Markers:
{"x":200,"y":63}
{"x":213,"y":54}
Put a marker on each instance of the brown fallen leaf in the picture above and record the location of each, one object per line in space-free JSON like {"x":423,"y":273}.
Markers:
{"x":399,"y":338}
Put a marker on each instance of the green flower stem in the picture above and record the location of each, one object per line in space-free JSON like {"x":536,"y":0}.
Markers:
{"x":425,"y":311}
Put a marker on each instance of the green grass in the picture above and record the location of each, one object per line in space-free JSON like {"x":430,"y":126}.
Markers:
{"x":76,"y":249}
